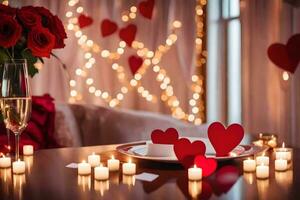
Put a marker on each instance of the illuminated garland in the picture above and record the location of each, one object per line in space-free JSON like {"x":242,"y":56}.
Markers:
{"x":150,"y":58}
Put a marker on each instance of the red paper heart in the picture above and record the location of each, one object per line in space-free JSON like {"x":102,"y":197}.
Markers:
{"x":208,"y":165}
{"x":225,"y":140}
{"x":170,"y":136}
{"x":108,"y":27}
{"x":146,"y":8}
{"x":186,"y":151}
{"x":287,"y":56}
{"x":135,"y":62}
{"x":128,"y":34}
{"x":84,"y":21}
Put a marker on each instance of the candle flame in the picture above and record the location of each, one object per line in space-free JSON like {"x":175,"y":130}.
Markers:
{"x":195,"y":166}
{"x":283,"y":145}
{"x":83,"y":161}
{"x":19,"y":160}
{"x":112,"y":157}
{"x":101,"y":165}
{"x":129,"y":161}
{"x":263,"y":154}
{"x":93,"y":153}
{"x":260,"y":135}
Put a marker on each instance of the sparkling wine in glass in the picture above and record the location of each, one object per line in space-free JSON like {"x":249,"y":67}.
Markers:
{"x":15,"y":98}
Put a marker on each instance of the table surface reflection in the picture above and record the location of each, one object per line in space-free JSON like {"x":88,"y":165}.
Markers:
{"x":48,"y":178}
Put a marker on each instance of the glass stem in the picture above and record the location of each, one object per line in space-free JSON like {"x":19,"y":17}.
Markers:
{"x":17,"y":146}
{"x":8,"y":140}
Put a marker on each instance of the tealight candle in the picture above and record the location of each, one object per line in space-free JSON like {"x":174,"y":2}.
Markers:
{"x":280,"y":165}
{"x":195,"y":173}
{"x":101,"y":173}
{"x":113,"y":164}
{"x":84,"y":168}
{"x":283,"y":153}
{"x":249,"y":165}
{"x":18,"y":167}
{"x":262,"y":160}
{"x":129,"y":168}
{"x":27,"y":150}
{"x":94,"y":159}
{"x":262,"y":171}
{"x":5,"y":162}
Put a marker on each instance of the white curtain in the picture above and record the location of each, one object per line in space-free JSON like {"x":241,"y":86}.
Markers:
{"x":270,"y":104}
{"x":178,"y":62}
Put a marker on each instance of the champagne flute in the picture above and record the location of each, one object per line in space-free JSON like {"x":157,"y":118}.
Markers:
{"x":15,"y":98}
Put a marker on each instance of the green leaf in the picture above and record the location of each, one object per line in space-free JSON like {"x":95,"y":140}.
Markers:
{"x":3,"y":55}
{"x":31,"y":60}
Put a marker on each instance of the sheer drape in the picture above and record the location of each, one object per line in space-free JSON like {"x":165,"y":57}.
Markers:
{"x":270,"y":104}
{"x":178,"y":62}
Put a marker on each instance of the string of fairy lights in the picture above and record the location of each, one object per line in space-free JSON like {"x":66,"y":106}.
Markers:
{"x":151,"y":58}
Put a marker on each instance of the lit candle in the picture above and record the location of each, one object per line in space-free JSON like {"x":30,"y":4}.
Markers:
{"x":262,"y":160}
{"x":129,"y":168}
{"x":18,"y":167}
{"x":262,"y":171}
{"x":195,"y":173}
{"x":249,"y":165}
{"x":27,"y":150}
{"x":280,"y":165}
{"x":5,"y":162}
{"x":94,"y":160}
{"x":84,"y":168}
{"x":113,"y":164}
{"x":283,"y":153}
{"x":101,"y":173}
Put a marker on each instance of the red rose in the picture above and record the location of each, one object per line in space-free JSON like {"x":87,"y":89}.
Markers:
{"x":57,"y":28}
{"x":28,"y":17}
{"x":40,"y":41}
{"x":7,"y":10}
{"x":10,"y":31}
{"x":47,"y":16}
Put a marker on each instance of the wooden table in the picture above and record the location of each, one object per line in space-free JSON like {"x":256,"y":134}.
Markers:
{"x":48,"y":178}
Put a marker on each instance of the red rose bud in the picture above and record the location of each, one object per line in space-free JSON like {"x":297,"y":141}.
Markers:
{"x":7,"y":10}
{"x":28,"y":17}
{"x":10,"y":31}
{"x":41,"y":41}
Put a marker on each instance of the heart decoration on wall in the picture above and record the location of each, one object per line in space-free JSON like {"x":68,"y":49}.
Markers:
{"x":170,"y":136}
{"x":225,"y":140}
{"x":286,"y":57}
{"x":186,"y":151}
{"x":128,"y":34}
{"x":84,"y":21}
{"x":208,"y":165}
{"x":108,"y":27}
{"x":135,"y":62}
{"x":146,"y":8}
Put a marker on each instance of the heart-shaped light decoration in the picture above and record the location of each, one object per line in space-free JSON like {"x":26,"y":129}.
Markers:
{"x":225,"y":140}
{"x":128,"y":33}
{"x":84,"y":21}
{"x":186,"y":151}
{"x":170,"y":136}
{"x":208,"y":165}
{"x":108,"y":27}
{"x":135,"y":62}
{"x":146,"y":8}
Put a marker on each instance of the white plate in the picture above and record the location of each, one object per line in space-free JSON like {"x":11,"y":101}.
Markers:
{"x":139,"y":150}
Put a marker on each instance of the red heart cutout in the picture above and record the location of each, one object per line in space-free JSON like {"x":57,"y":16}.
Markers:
{"x":84,"y":21}
{"x":170,"y":136}
{"x":287,"y":56}
{"x":208,"y":165}
{"x":225,"y":140}
{"x":186,"y":151}
{"x":135,"y":62}
{"x":108,"y":27}
{"x":146,"y":8}
{"x":128,"y":34}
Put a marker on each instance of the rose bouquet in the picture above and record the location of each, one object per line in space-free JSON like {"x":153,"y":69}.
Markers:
{"x":29,"y":33}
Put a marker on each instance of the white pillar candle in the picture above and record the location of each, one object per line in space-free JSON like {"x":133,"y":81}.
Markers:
{"x":195,"y":173}
{"x":262,"y":160}
{"x":283,"y":153}
{"x":94,"y":159}
{"x":18,"y":167}
{"x":280,"y":165}
{"x":101,"y":173}
{"x":262,"y":171}
{"x":249,"y":165}
{"x":113,"y":164}
{"x":5,"y":162}
{"x":129,"y":168}
{"x":27,"y":150}
{"x":84,"y":168}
